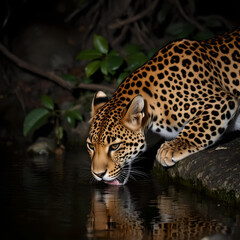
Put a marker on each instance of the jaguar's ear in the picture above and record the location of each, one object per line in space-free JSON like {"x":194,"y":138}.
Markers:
{"x":99,"y":99}
{"x":133,"y":115}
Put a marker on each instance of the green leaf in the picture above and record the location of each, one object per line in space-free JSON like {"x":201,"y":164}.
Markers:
{"x":132,"y":48}
{"x":175,"y":28}
{"x":47,"y":102}
{"x":162,"y":14}
{"x":122,"y":76}
{"x":151,"y":52}
{"x":204,"y":35}
{"x":76,"y":114}
{"x":136,"y":60}
{"x":70,"y":78}
{"x":114,"y":62}
{"x":86,"y":80}
{"x":89,"y":54}
{"x":100,"y":43}
{"x":108,"y":78}
{"x":92,"y":67}
{"x":71,"y":120}
{"x":104,"y":67}
{"x":72,"y":116}
{"x":180,"y":29}
{"x":34,"y":120}
{"x":113,"y":53}
{"x":60,"y":133}
{"x":212,"y":21}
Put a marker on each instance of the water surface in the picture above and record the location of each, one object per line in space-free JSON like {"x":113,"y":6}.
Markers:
{"x":54,"y":198}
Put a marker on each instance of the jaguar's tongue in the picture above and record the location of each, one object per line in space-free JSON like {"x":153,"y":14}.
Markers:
{"x":114,"y":182}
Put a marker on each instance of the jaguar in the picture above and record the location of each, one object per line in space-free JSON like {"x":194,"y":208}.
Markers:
{"x":188,"y":93}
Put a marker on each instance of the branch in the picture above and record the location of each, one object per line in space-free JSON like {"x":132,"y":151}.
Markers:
{"x":134,"y":18}
{"x":120,"y":37}
{"x":51,"y":75}
{"x":72,"y":15}
{"x":96,"y":87}
{"x":187,"y":18}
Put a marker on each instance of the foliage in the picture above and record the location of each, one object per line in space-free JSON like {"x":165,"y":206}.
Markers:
{"x":161,"y":22}
{"x":35,"y":119}
{"x":102,"y":59}
{"x":70,"y":78}
{"x":186,"y":24}
{"x":151,"y":23}
{"x":110,"y":63}
{"x":39,"y":116}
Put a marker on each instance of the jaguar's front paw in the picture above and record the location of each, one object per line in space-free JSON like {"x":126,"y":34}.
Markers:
{"x":170,"y":152}
{"x":165,"y":155}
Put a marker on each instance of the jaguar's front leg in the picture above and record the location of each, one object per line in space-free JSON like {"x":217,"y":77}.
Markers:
{"x":171,"y":152}
{"x":199,"y":133}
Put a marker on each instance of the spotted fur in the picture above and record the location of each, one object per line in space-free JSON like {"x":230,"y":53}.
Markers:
{"x":187,"y":92}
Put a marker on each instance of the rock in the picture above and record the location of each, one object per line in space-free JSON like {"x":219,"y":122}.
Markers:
{"x":215,"y":169}
{"x":43,"y":146}
{"x":217,"y":237}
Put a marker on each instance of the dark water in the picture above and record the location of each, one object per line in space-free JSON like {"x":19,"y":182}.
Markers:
{"x":48,"y":198}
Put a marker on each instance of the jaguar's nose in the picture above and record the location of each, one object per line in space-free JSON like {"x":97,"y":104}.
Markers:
{"x":101,"y":174}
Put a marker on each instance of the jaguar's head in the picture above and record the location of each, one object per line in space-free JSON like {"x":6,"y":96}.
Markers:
{"x":115,"y":138}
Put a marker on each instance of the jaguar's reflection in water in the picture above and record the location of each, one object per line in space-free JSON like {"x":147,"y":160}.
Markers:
{"x":115,"y":214}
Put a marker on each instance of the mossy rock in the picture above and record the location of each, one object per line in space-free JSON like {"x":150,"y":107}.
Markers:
{"x":215,"y":170}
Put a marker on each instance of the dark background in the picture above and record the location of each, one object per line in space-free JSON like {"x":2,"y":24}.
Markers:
{"x":50,"y":34}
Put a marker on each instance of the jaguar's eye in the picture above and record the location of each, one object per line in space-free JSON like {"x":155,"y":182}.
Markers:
{"x":114,"y":147}
{"x":90,"y":146}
